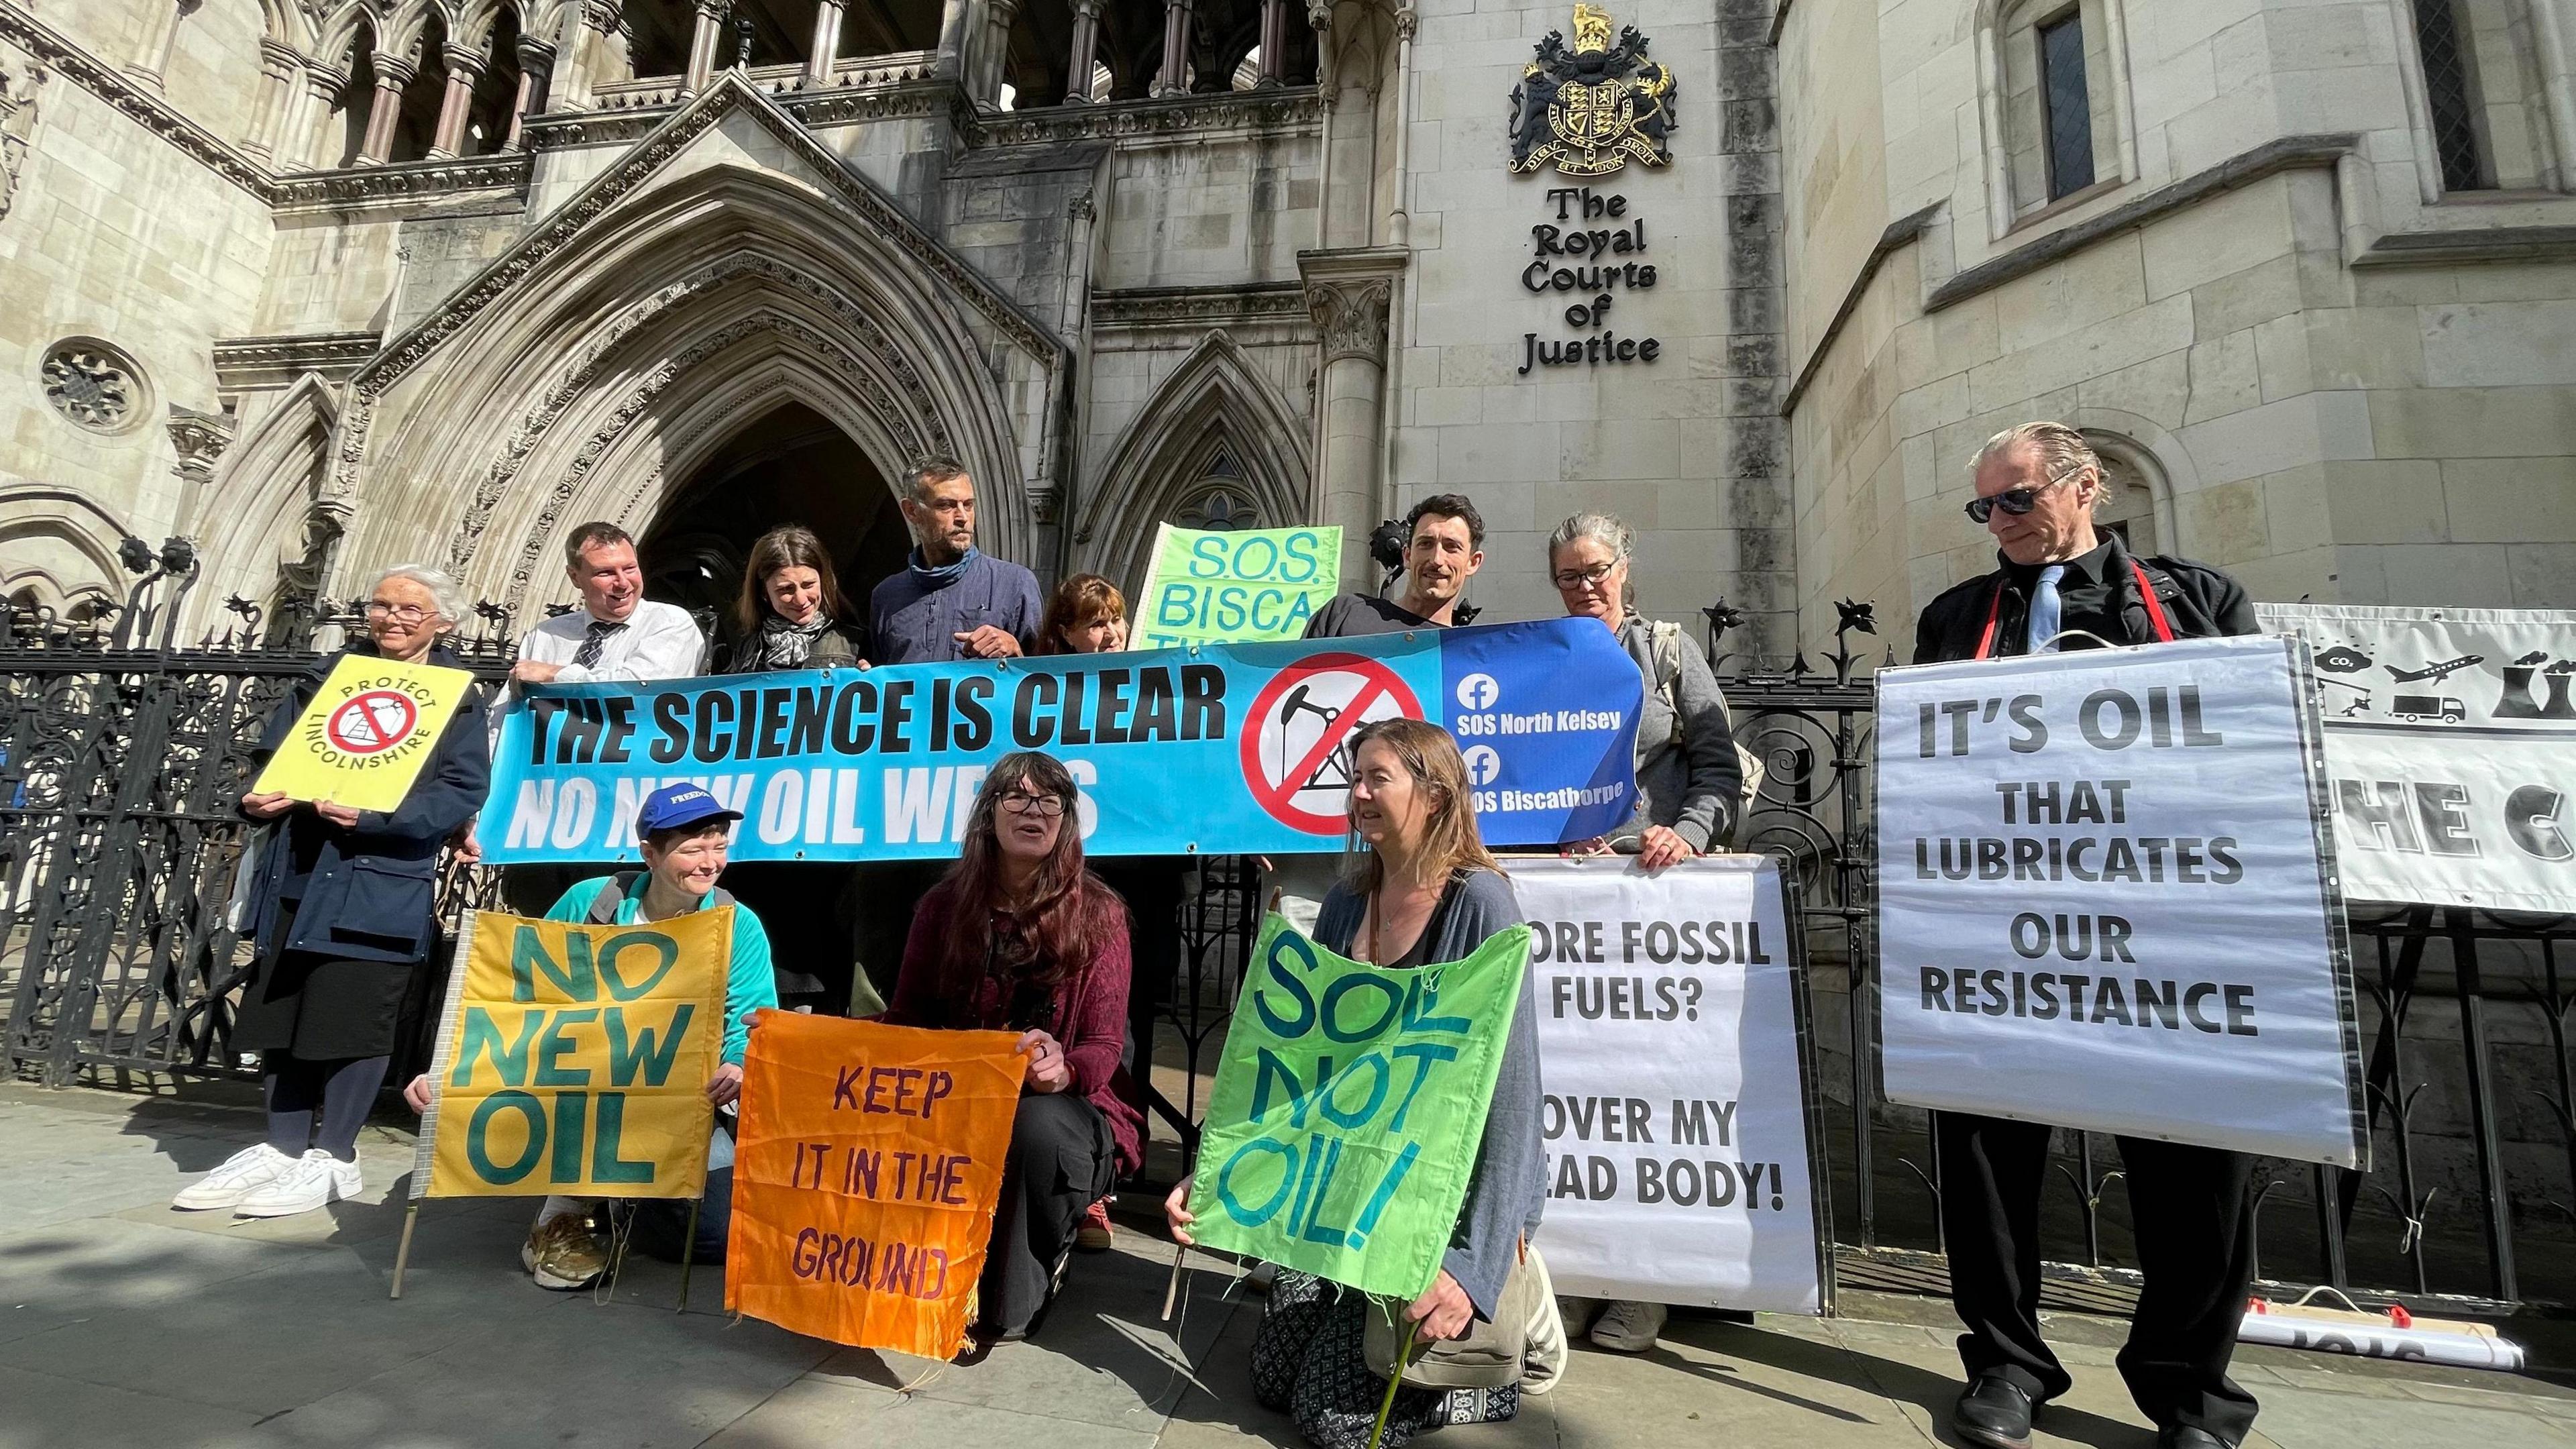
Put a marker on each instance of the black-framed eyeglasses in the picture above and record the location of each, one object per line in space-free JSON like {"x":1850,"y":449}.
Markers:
{"x":2015,"y":501}
{"x":403,"y":613}
{"x":1045,"y":807}
{"x":1571,"y":579}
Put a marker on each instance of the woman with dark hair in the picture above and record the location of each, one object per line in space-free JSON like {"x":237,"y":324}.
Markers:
{"x":1423,"y":891}
{"x":789,"y":606}
{"x":1086,"y":615}
{"x":1019,"y":937}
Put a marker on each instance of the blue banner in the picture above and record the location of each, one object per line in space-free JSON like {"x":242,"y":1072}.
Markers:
{"x":1221,"y":750}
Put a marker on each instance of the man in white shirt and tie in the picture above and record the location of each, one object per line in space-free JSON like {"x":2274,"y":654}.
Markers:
{"x":617,"y":633}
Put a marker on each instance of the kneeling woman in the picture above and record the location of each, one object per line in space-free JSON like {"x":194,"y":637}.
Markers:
{"x":1019,"y":937}
{"x":1424,"y":891}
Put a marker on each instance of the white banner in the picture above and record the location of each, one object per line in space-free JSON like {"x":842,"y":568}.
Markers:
{"x":2106,"y":898}
{"x":2451,"y":745}
{"x":1676,"y":1107}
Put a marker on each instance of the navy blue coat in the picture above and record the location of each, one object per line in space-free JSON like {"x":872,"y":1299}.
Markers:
{"x":368,"y":892}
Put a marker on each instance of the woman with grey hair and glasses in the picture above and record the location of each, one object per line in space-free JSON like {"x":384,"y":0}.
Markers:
{"x":1688,"y":777}
{"x":342,"y":919}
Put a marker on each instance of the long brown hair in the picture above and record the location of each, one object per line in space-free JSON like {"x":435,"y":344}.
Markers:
{"x":1450,"y":842}
{"x":1067,"y":915}
{"x":791,"y":545}
{"x":1078,"y":600}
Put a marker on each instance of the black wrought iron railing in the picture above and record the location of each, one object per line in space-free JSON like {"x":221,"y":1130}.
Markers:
{"x":123,"y":750}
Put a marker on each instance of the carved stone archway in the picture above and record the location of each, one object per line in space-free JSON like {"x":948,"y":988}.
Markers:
{"x":1216,"y":401}
{"x":572,"y":375}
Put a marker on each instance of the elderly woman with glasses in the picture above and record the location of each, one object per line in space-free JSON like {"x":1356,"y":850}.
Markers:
{"x":1688,"y":778}
{"x":1020,"y":937}
{"x":343,"y":918}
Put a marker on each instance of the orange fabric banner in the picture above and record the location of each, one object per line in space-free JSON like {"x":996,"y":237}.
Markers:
{"x":864,"y":1179}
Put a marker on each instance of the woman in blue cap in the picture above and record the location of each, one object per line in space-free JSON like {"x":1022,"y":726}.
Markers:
{"x":683,"y":833}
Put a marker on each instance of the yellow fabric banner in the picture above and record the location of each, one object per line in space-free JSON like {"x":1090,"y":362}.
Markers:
{"x":865,"y":1178}
{"x":574,"y":1059}
{"x":365,"y":736}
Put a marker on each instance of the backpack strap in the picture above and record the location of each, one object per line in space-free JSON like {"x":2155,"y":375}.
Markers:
{"x":1665,"y":637}
{"x":1994,"y":611}
{"x":603,"y":906}
{"x":2147,"y":586}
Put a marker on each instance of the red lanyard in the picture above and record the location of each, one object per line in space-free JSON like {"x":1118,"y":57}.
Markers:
{"x":2146,"y":591}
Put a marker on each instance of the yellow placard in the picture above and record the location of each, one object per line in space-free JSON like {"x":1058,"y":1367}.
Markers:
{"x":363,"y":739}
{"x":574,"y":1059}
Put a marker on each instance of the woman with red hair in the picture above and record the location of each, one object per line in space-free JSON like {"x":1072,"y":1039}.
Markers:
{"x":1020,"y":937}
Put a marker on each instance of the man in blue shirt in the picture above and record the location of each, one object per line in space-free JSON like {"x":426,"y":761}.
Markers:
{"x":683,"y":833}
{"x":952,"y":601}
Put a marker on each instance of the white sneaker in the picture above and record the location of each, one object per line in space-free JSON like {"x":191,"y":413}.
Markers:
{"x":1628,"y":1327}
{"x":312,"y":1181}
{"x":241,"y":1174}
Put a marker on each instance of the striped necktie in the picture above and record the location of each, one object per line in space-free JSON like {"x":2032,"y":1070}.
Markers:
{"x":595,"y":638}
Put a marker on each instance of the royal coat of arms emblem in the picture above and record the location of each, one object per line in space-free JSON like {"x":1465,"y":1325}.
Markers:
{"x":1593,"y":109}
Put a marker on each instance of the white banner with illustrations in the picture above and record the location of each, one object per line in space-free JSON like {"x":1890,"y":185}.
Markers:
{"x":2106,"y":897}
{"x":1676,"y":1110}
{"x":2451,"y":745}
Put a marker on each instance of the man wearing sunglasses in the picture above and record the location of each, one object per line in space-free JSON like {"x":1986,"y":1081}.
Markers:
{"x":2065,"y":584}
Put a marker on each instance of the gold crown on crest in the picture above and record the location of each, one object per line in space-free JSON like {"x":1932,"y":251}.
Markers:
{"x":1591,"y":30}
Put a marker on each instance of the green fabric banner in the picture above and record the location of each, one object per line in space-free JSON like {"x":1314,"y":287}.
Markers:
{"x":1349,"y":1107}
{"x":1235,"y":586}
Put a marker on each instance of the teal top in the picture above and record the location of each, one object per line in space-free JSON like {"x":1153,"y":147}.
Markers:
{"x":749,"y":984}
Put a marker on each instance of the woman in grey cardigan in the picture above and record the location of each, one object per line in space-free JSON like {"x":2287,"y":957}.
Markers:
{"x":1425,"y":891}
{"x":1688,"y":778}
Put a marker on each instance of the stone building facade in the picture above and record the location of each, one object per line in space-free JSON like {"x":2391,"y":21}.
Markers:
{"x":2305,"y":272}
{"x":321,"y":285}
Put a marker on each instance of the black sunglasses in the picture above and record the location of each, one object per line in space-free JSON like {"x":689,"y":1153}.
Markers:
{"x":2015,"y":501}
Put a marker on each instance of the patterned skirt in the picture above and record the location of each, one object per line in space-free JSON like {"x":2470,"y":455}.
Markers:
{"x":1308,"y":1362}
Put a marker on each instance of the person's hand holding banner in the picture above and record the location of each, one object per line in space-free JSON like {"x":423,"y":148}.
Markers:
{"x":865,"y":1178}
{"x":1348,"y":1108}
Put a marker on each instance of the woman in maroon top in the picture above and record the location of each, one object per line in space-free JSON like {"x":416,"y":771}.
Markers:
{"x":1019,"y":937}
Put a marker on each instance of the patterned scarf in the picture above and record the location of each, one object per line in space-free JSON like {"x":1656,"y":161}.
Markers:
{"x":782,"y":645}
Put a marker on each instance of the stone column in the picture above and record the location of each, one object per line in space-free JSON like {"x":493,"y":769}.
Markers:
{"x":702,"y":46}
{"x":160,"y":35}
{"x":827,"y":43}
{"x":277,"y":67}
{"x":1274,"y":43}
{"x":954,"y":34}
{"x":311,"y":138}
{"x":391,"y":76}
{"x":1174,"y":78}
{"x":1348,"y":293}
{"x":1398,"y":220}
{"x":201,"y":439}
{"x":585,"y":55}
{"x":1086,"y":51}
{"x":993,"y":56}
{"x":464,"y":68}
{"x":536,"y":65}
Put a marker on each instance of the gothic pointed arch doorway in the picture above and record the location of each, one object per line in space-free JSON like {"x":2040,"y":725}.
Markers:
{"x":790,"y":464}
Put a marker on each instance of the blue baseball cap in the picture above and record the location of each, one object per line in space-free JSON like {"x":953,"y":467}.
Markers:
{"x":673,"y":806}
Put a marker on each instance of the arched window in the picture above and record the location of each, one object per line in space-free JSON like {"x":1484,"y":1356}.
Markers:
{"x":2056,"y":81}
{"x":356,"y":101}
{"x":1219,"y":501}
{"x":2485,"y":95}
{"x":2138,"y":502}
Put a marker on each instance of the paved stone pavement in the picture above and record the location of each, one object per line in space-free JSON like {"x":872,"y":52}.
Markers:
{"x":124,"y":1323}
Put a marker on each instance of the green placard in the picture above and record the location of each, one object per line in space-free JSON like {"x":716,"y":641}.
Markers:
{"x":1349,"y":1106}
{"x":1241,"y":586}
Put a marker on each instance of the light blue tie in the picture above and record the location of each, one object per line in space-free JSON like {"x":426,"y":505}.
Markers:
{"x":2044,"y":610}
